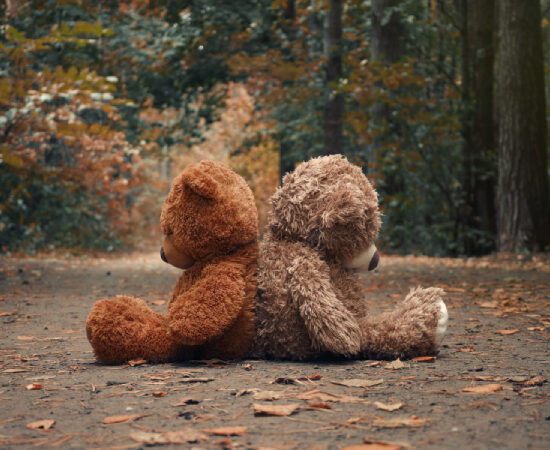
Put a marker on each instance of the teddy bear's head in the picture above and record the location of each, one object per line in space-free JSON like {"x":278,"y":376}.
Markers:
{"x":330,"y":204}
{"x":209,"y":211}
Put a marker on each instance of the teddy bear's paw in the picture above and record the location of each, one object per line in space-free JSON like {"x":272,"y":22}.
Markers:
{"x":442,"y":322}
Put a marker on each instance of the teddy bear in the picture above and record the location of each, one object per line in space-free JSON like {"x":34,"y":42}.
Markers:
{"x":319,"y":239}
{"x":210,"y":223}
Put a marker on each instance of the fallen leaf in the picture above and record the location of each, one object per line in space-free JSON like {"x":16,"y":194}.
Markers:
{"x":14,"y":370}
{"x":374,"y":446}
{"x":396,"y":365}
{"x":159,"y":394}
{"x":318,"y":405}
{"x":297,"y":380}
{"x":4,"y":313}
{"x":467,"y":349}
{"x":227,"y":431}
{"x":275,"y":410}
{"x":399,"y":422}
{"x":506,"y":332}
{"x":483,"y":389}
{"x":330,"y":397}
{"x":184,"y":401}
{"x":535,"y":381}
{"x":137,"y":362}
{"x":26,"y":338}
{"x":358,"y":382}
{"x":492,"y":304}
{"x":122,"y":418}
{"x":42,"y":425}
{"x":184,"y":436}
{"x":34,"y":386}
{"x":158,"y":302}
{"x":424,"y":359}
{"x":148,"y":438}
{"x":268,"y":395}
{"x":389,"y":406}
{"x":196,"y":380}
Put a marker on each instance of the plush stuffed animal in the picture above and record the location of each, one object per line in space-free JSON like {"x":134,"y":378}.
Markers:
{"x":211,"y":226}
{"x":321,"y":231}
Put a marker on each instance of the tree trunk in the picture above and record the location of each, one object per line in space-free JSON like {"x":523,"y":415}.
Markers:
{"x":386,"y":46}
{"x":477,"y":23}
{"x":334,"y":100}
{"x":523,"y":198}
{"x":286,"y":164}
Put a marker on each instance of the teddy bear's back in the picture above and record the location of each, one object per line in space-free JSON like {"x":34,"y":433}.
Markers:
{"x":281,"y":331}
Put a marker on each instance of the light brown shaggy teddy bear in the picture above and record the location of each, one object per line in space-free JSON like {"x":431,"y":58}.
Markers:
{"x":321,"y":231}
{"x":211,"y":226}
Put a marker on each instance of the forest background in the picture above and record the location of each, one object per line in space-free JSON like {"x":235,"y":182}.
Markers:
{"x":442,"y":102}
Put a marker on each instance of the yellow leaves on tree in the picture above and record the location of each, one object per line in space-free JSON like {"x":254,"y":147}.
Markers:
{"x":238,"y":139}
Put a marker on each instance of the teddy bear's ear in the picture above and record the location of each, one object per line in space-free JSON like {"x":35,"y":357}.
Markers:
{"x":200,"y":182}
{"x":343,"y":204}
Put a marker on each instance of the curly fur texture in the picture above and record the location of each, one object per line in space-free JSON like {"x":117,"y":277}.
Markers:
{"x":210,"y":219}
{"x":309,"y":302}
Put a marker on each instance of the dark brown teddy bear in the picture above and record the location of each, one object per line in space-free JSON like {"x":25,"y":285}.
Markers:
{"x":322,"y":228}
{"x":211,"y":226}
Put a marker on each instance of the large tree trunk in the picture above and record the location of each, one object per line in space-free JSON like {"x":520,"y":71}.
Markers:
{"x":477,"y":120}
{"x":523,"y":199}
{"x":334,"y":100}
{"x":386,"y":46}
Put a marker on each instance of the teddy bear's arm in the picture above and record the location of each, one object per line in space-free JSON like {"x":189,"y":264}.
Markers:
{"x":331,"y":327}
{"x":211,"y":305}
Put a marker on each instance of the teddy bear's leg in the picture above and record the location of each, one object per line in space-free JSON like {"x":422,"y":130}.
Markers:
{"x":125,"y":328}
{"x":415,"y":328}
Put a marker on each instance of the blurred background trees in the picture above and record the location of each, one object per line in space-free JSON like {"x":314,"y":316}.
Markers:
{"x":441,"y":101}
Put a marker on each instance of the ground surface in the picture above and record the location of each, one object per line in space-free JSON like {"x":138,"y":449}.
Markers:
{"x":497,"y":342}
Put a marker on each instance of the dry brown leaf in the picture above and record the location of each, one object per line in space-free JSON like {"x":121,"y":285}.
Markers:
{"x":483,"y":389}
{"x":268,"y":395}
{"x":158,"y":302}
{"x":396,"y":365}
{"x":399,"y":422}
{"x":535,"y":381}
{"x":227,"y":431}
{"x":42,"y":425}
{"x":506,"y":332}
{"x":184,"y":401}
{"x":275,"y":410}
{"x":14,"y":370}
{"x":358,"y":382}
{"x":122,"y":418}
{"x":137,"y":362}
{"x":34,"y":386}
{"x":196,"y":380}
{"x":159,"y":394}
{"x":297,"y":380}
{"x":184,"y":436}
{"x":5,"y":313}
{"x":492,"y":304}
{"x":424,"y":359}
{"x":329,"y":397}
{"x":374,"y":446}
{"x":389,"y":406}
{"x":318,"y":405}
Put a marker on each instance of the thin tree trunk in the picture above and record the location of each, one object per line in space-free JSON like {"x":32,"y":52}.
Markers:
{"x":334,"y":100}
{"x":285,"y":162}
{"x":478,"y":25}
{"x":386,"y":46}
{"x":523,"y":198}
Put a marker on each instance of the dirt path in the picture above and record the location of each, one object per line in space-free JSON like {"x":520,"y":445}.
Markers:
{"x":497,"y":342}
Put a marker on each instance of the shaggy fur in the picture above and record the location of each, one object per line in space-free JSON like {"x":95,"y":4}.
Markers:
{"x":211,"y":224}
{"x":309,"y":303}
